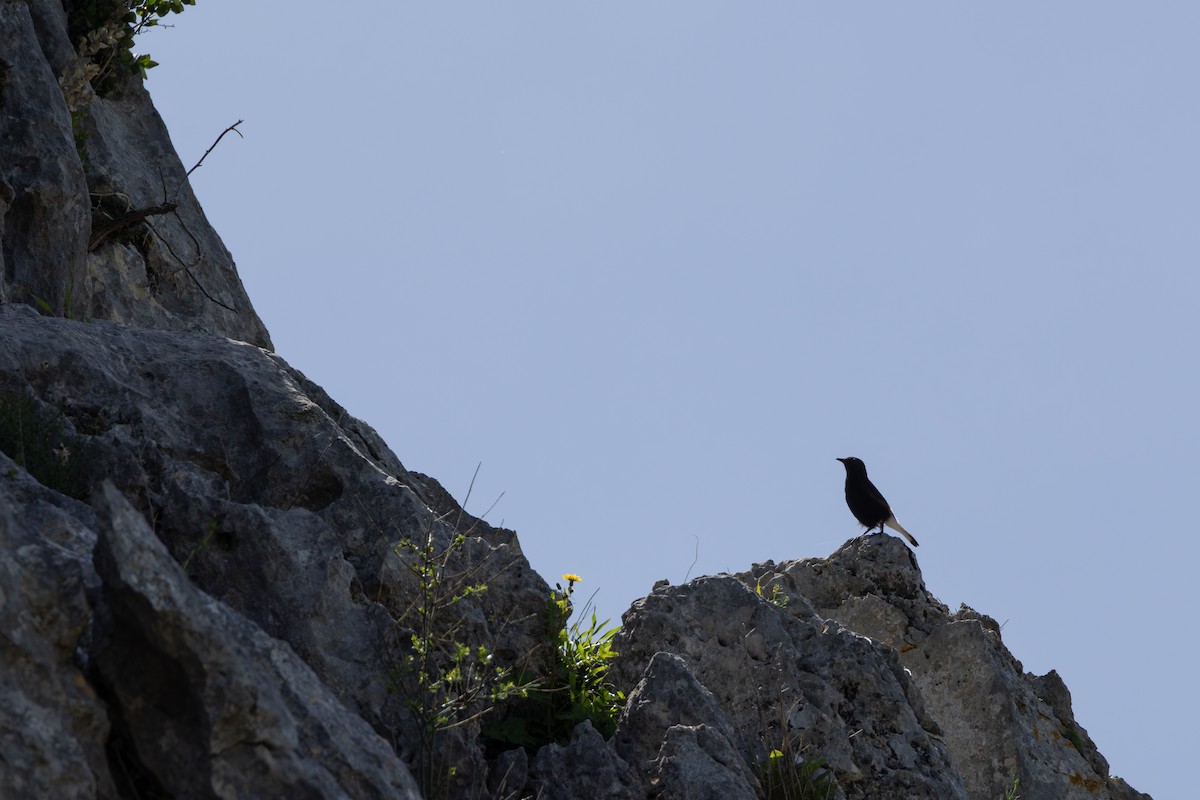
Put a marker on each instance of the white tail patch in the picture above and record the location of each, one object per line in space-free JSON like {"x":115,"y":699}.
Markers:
{"x":891,"y":523}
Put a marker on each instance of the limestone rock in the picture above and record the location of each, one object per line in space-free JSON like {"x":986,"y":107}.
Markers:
{"x":50,"y":22}
{"x":794,"y":682}
{"x":676,"y":735}
{"x":44,"y":211}
{"x":60,"y":177}
{"x":283,"y":508}
{"x":211,"y":705}
{"x":586,"y":767}
{"x":999,"y":722}
{"x":699,"y":763}
{"x":52,"y":725}
{"x":279,"y":503}
{"x":174,"y":271}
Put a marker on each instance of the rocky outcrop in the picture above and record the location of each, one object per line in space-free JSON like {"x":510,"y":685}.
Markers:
{"x":207,"y":702}
{"x":999,"y":723}
{"x":279,"y":506}
{"x":124,"y":680}
{"x":276,"y":519}
{"x":674,"y":732}
{"x":585,"y":767}
{"x":792,"y":681}
{"x":217,"y":583}
{"x":70,"y":168}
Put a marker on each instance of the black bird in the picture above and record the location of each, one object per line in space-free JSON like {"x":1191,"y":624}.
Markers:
{"x":866,"y":503}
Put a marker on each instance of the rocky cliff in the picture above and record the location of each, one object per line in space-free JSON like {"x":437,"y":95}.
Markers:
{"x":214,"y":580}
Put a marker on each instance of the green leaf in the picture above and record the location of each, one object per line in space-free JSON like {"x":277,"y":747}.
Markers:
{"x":43,"y":306}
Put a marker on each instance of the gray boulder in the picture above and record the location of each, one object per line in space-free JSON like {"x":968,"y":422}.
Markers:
{"x":209,"y":704}
{"x":795,"y":683}
{"x":1000,"y":723}
{"x":697,"y":762}
{"x":587,"y":767}
{"x":675,"y":734}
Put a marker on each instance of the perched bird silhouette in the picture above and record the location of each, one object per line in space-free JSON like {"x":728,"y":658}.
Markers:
{"x":866,"y":503}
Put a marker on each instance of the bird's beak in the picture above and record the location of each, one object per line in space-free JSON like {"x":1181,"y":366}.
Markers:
{"x":842,"y":460}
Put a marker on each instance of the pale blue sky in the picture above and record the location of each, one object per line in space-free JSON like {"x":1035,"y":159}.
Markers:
{"x":658,"y":265}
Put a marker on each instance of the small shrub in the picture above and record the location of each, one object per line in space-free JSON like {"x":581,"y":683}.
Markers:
{"x":450,"y":681}
{"x":105,"y":30}
{"x":571,"y":685}
{"x":456,"y":682}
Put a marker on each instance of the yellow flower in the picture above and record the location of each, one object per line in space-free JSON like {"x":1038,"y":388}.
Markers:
{"x":572,"y":578}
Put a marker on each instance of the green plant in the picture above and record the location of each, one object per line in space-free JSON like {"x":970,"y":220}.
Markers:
{"x":449,"y":680}
{"x":776,"y":596}
{"x":455,"y":682}
{"x":118,"y":22}
{"x":788,"y":775}
{"x":582,"y":655}
{"x":1011,"y":794}
{"x":38,"y":440}
{"x":573,"y":683}
{"x":104,"y":33}
{"x":48,"y":310}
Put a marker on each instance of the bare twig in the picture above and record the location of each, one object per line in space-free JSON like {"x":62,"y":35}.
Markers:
{"x":171,"y":250}
{"x":105,"y":229}
{"x":233,"y":128}
{"x":204,"y":291}
{"x":493,"y":505}
{"x":186,"y":267}
{"x":695,"y":558}
{"x":462,"y":508}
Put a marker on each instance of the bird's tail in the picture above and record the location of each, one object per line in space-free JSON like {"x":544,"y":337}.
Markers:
{"x":891,"y":523}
